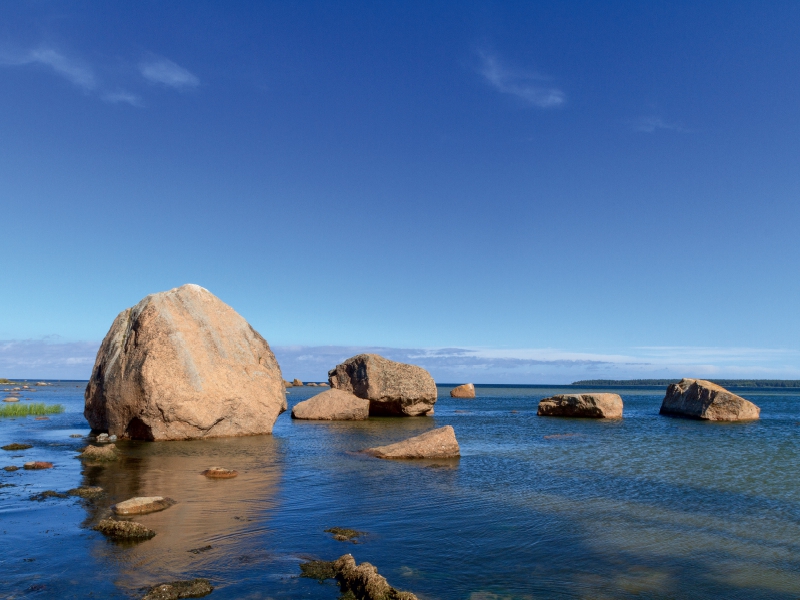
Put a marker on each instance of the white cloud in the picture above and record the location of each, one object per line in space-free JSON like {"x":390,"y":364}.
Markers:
{"x":71,"y":69}
{"x":529,"y":87}
{"x":651,"y":124}
{"x":166,"y":72}
{"x":123,"y":96}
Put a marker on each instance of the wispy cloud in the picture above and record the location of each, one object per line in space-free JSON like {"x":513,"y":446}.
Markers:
{"x":652,"y":124}
{"x":164,"y":71}
{"x":529,"y":87}
{"x":70,"y":68}
{"x":123,"y":96}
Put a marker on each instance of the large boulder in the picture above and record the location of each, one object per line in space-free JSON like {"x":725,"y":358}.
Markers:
{"x":332,"y":405}
{"x":463,"y":391}
{"x":700,"y":399}
{"x":181,"y":365}
{"x":437,"y":443}
{"x":392,"y":388}
{"x":594,"y":406}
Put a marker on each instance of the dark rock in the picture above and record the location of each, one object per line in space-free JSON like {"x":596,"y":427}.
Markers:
{"x":220,"y":473}
{"x":10,"y":468}
{"x":46,"y":495}
{"x":174,"y":590}
{"x":11,"y":447}
{"x":342,"y":534}
{"x":86,"y":492}
{"x":104,"y":453}
{"x":124,"y":530}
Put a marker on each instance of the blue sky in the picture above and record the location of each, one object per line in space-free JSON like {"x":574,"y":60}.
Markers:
{"x":599,"y":189}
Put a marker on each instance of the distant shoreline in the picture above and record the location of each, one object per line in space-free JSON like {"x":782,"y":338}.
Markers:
{"x":744,"y":383}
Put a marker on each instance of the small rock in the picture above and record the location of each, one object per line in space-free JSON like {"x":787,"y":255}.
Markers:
{"x":11,"y":399}
{"x":220,"y":473}
{"x":318,"y":569}
{"x":287,"y":384}
{"x":297,"y":383}
{"x":76,"y":435}
{"x":17,"y":446}
{"x":332,"y":405}
{"x":112,"y":438}
{"x":10,"y":468}
{"x":100,"y":453}
{"x":142,"y":505}
{"x":593,"y":406}
{"x":41,"y":418}
{"x":36,"y":465}
{"x":437,"y":443}
{"x":463,"y":391}
{"x":364,"y":582}
{"x":124,"y":530}
{"x":102,"y":438}
{"x":87,"y":492}
{"x":196,"y":588}
{"x":41,"y":383}
{"x":201,"y":549}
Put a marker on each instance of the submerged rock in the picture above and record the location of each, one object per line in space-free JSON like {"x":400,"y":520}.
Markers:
{"x":463,"y":391}
{"x":174,"y":590}
{"x":701,"y":399}
{"x":437,"y":443}
{"x":100,"y":453}
{"x":46,"y":495}
{"x":124,"y":530}
{"x":10,"y":468}
{"x":343,"y":534}
{"x":142,"y":505}
{"x":332,"y":405}
{"x":220,"y":473}
{"x":38,"y":464}
{"x":87,"y":492}
{"x":11,"y":399}
{"x":182,"y":364}
{"x":392,"y":388}
{"x":12,"y":447}
{"x":593,"y":406}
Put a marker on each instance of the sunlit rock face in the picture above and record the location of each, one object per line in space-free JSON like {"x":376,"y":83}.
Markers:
{"x":180,"y":365}
{"x":700,"y":399}
{"x":392,"y":388}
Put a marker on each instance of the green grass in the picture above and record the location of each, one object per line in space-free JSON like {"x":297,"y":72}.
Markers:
{"x":34,"y":408}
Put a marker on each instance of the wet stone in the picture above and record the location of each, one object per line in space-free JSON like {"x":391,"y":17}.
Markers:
{"x":342,"y":534}
{"x":10,"y":468}
{"x":195,"y":588}
{"x":220,"y":473}
{"x":100,"y":453}
{"x":11,"y":447}
{"x":124,"y":530}
{"x":46,"y":495}
{"x":87,"y":492}
{"x":143,"y":505}
{"x":37,"y":465}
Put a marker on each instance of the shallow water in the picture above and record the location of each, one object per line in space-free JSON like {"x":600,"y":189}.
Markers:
{"x":645,"y":507}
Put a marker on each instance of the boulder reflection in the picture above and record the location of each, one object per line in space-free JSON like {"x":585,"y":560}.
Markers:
{"x":225,"y":514}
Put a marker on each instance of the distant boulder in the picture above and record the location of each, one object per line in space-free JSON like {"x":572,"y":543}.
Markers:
{"x":593,"y":406}
{"x":297,"y":383}
{"x":180,"y":365}
{"x":437,"y":443}
{"x":332,"y":405}
{"x":700,"y":399}
{"x":287,"y":384}
{"x":463,"y":391}
{"x":392,"y":388}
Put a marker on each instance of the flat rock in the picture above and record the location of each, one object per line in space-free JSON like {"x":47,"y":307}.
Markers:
{"x":103,"y":453}
{"x":593,"y":406}
{"x":332,"y":405}
{"x":143,"y":505}
{"x":463,"y":391}
{"x":392,"y":388}
{"x":37,"y":465}
{"x":124,"y":530}
{"x":174,"y":590}
{"x":11,"y":468}
{"x":220,"y":473}
{"x":701,"y":399}
{"x":11,"y":399}
{"x":86,"y":492}
{"x":181,"y":365}
{"x":437,"y":443}
{"x":15,"y":446}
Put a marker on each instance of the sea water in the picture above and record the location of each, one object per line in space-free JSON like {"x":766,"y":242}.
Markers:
{"x":536,"y":507}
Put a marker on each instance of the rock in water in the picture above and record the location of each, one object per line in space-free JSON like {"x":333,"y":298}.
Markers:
{"x":181,"y":365}
{"x":142,"y":505}
{"x":332,"y":405}
{"x":364,"y":582}
{"x":437,"y":443}
{"x":392,"y":388}
{"x":700,"y":399}
{"x":196,"y":588}
{"x":463,"y":391}
{"x":124,"y":530}
{"x":100,"y":453}
{"x":220,"y":473}
{"x":594,"y":406}
{"x":37,"y":465}
{"x":297,"y":383}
